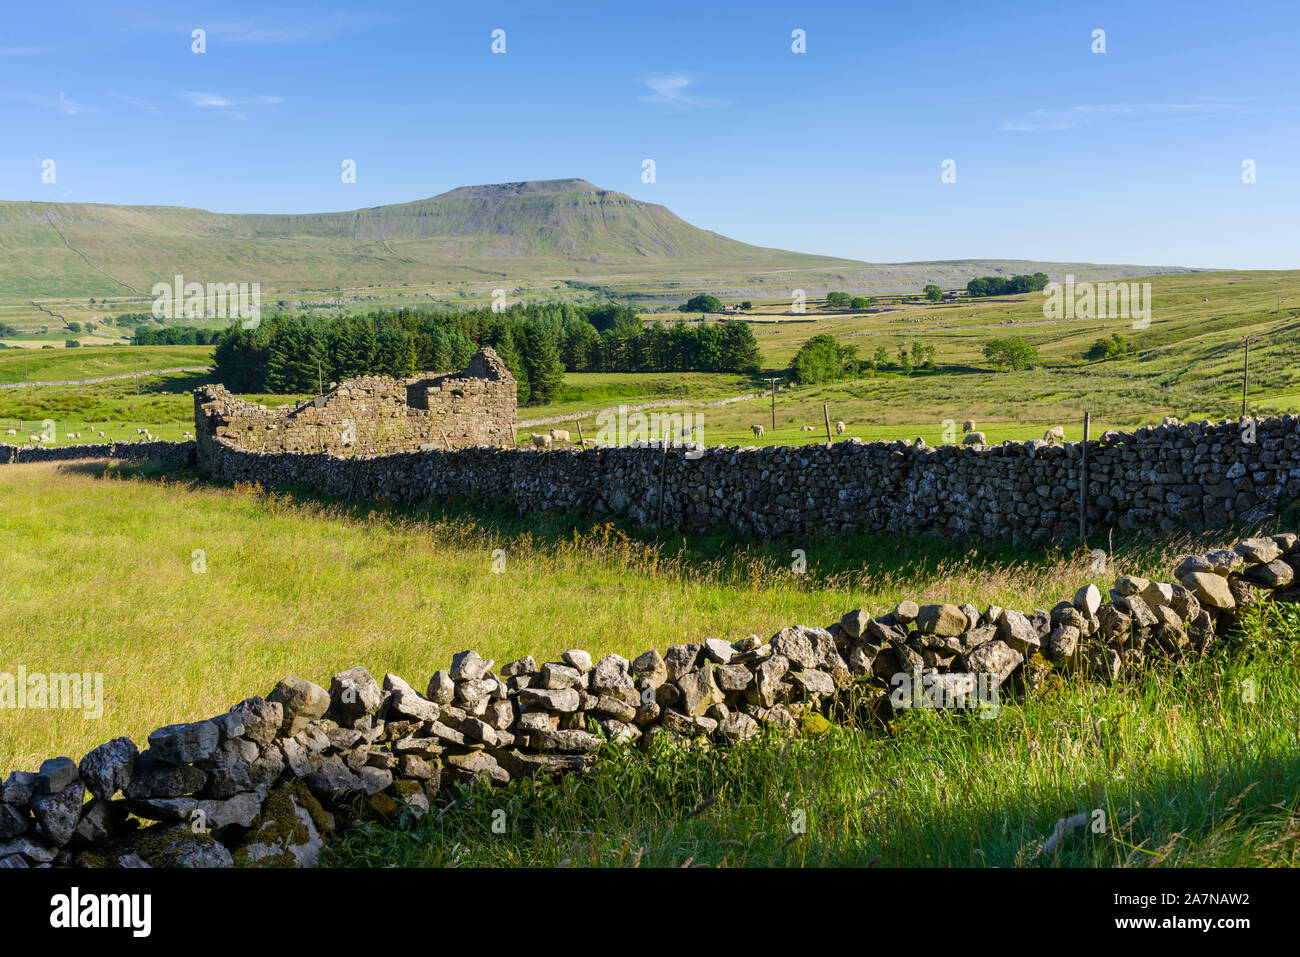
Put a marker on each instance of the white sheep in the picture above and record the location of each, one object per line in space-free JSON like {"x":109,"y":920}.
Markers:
{"x":11,"y":432}
{"x":1055,"y":434}
{"x":1170,"y":420}
{"x":968,"y":425}
{"x":757,"y":430}
{"x":590,"y":443}
{"x":541,"y":441}
{"x":975,"y":438}
{"x":560,"y":435}
{"x":839,"y":428}
{"x":36,"y":439}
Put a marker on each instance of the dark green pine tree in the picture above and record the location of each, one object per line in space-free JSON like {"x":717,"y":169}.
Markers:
{"x":509,"y":353}
{"x":545,"y":369}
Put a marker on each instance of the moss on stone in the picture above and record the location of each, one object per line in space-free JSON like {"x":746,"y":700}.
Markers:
{"x":278,"y":823}
{"x":813,"y":723}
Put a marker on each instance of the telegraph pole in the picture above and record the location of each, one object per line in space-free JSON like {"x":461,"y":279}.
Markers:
{"x":773,"y":380}
{"x":1245,"y":377}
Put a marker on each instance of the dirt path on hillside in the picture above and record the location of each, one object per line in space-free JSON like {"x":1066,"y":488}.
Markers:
{"x":657,"y":404}
{"x":106,"y":378}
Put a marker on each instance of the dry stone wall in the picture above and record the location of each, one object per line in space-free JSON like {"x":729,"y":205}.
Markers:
{"x":171,"y":453}
{"x":1197,"y":474}
{"x":371,"y":415}
{"x":267,"y":781}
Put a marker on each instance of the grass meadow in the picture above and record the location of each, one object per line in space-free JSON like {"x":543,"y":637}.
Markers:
{"x":187,"y":596}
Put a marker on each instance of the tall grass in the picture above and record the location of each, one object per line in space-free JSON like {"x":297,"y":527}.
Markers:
{"x":1171,"y":767}
{"x":98,"y":570}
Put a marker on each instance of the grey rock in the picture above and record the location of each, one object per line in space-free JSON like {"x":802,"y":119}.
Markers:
{"x":153,"y":778}
{"x":562,"y":699}
{"x":522,"y":666}
{"x":260,"y":718}
{"x":14,"y":822}
{"x":19,"y":787}
{"x":55,"y":775}
{"x":107,"y":768}
{"x":1018,"y":633}
{"x":679,"y":659}
{"x":578,"y":659}
{"x":184,"y":743}
{"x":699,"y":692}
{"x":719,"y":651}
{"x":405,"y":702}
{"x":303,"y":702}
{"x":995,"y":658}
{"x":1088,"y":599}
{"x":354,"y":693}
{"x":944,"y":620}
{"x":468,"y":666}
{"x":442,"y":687}
{"x":650,"y":668}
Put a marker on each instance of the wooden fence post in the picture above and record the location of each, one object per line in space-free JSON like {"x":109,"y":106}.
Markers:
{"x":663,"y":480}
{"x":827,"y":414}
{"x":1083,"y":480}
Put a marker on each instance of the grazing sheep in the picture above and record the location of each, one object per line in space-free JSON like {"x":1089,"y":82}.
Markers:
{"x":589,"y":443}
{"x":100,"y":434}
{"x":975,"y":438}
{"x":1055,"y":433}
{"x":807,"y":428}
{"x":11,"y":432}
{"x":839,"y":428}
{"x":757,"y":430}
{"x":1170,"y":420}
{"x":141,"y":432}
{"x":36,"y":439}
{"x":541,"y":441}
{"x":560,"y":435}
{"x":968,"y":426}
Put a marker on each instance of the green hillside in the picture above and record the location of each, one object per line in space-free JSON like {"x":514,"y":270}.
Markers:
{"x":551,"y":238}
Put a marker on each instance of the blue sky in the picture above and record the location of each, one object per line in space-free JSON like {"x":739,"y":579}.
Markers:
{"x":1133,"y":155}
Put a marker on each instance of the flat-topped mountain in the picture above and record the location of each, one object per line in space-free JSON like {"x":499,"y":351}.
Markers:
{"x":563,"y":229}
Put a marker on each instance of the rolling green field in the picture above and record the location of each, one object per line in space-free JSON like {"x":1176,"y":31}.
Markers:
{"x":1187,"y":364}
{"x":58,"y":365}
{"x":102,"y":574}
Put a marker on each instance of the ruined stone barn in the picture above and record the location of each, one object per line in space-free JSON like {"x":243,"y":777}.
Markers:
{"x":370,"y":415}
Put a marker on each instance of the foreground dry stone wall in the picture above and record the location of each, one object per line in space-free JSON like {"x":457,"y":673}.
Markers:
{"x":371,"y":415}
{"x":1197,"y":474}
{"x":268,"y":781}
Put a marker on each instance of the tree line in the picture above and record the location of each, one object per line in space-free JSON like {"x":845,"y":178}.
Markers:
{"x":823,"y":358}
{"x":538,"y":343}
{"x":1001,"y":286}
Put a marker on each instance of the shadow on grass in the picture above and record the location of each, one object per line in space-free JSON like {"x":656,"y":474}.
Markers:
{"x":827,"y":557}
{"x":1169,"y":767}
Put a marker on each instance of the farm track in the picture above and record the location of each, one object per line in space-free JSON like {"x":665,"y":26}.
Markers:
{"x":106,"y":378}
{"x":656,"y":404}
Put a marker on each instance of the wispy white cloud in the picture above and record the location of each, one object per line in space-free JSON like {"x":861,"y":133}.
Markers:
{"x":674,"y":88}
{"x":1076,"y":116}
{"x":259,"y":31}
{"x":143,"y":105}
{"x":221,"y":101}
{"x":61,"y":103}
{"x":27,"y":50}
